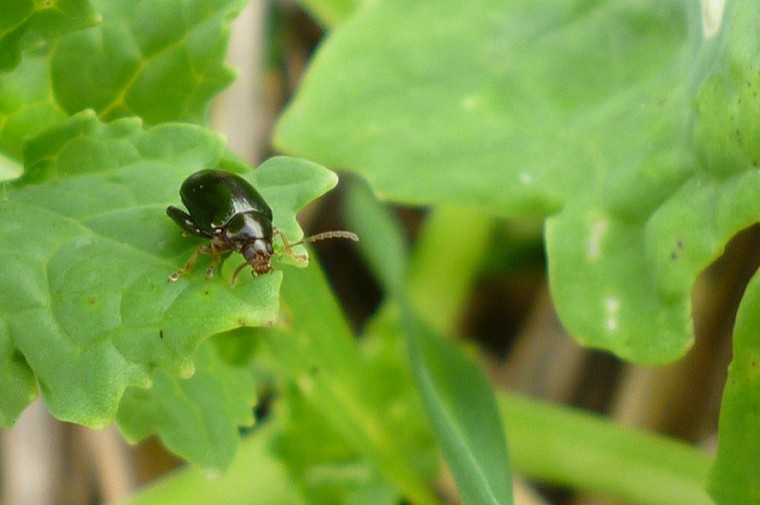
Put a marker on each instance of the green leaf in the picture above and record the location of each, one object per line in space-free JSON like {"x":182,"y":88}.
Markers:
{"x":196,"y":418}
{"x":327,"y":469}
{"x":255,"y":477}
{"x":140,"y":48}
{"x":163,"y":61}
{"x":330,"y":13}
{"x":735,"y":477}
{"x":461,"y":406}
{"x":86,"y":251}
{"x":585,"y":451}
{"x":527,"y":108}
{"x":320,"y":356}
{"x":459,"y":400}
{"x":24,"y":23}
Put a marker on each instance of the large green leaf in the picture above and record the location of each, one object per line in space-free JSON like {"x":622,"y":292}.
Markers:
{"x":86,"y":250}
{"x":579,"y":110}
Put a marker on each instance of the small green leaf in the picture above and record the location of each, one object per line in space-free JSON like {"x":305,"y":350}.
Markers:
{"x":86,"y":252}
{"x":327,"y":469}
{"x":320,"y":356}
{"x":196,"y":418}
{"x":16,"y":380}
{"x":460,"y":402}
{"x":735,"y":477}
{"x":163,"y":61}
{"x":462,"y":408}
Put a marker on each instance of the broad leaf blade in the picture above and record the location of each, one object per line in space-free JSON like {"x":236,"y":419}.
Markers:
{"x":530,"y":108}
{"x":86,"y":252}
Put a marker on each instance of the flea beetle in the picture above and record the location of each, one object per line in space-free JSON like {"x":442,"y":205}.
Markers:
{"x":227,"y":210}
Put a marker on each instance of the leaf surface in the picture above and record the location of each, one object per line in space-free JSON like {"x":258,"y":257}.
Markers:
{"x":197,"y":418}
{"x":162,"y":61}
{"x":87,"y":250}
{"x":24,"y":23}
{"x":735,"y":477}
{"x":530,"y":108}
{"x":459,"y":401}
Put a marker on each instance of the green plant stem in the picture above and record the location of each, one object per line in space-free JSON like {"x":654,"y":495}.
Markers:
{"x":447,"y":254}
{"x":317,"y":351}
{"x":254,"y":477}
{"x":564,"y":446}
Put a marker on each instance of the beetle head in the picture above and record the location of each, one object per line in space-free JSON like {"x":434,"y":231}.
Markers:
{"x":258,"y":253}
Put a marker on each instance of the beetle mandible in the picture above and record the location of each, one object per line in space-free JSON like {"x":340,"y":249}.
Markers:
{"x":227,"y":210}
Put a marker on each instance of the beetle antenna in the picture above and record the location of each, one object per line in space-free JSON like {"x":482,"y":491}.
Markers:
{"x":325,"y":235}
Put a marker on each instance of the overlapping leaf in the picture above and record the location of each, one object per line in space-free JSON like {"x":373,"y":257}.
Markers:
{"x":162,"y":61}
{"x":24,"y":23}
{"x":580,"y":110}
{"x":196,"y":418}
{"x":86,"y":251}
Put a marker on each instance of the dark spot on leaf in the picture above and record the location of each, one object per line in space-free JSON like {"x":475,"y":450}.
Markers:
{"x":314,"y":370}
{"x":206,"y":292}
{"x":92,"y":302}
{"x":673,"y":256}
{"x":241,"y":322}
{"x":160,"y":333}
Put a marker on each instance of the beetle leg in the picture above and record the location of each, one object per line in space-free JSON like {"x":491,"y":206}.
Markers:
{"x":216,"y":251}
{"x":289,"y":249}
{"x":237,"y":272}
{"x":204,"y":249}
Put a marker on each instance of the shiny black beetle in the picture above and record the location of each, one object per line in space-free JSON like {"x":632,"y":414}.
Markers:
{"x":227,"y":210}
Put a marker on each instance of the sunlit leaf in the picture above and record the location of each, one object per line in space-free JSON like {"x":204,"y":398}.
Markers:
{"x":87,"y":250}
